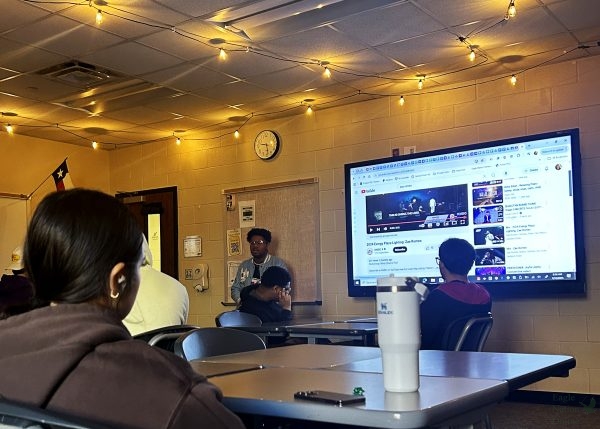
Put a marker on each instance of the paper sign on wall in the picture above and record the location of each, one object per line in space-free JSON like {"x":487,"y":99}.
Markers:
{"x":247,"y":213}
{"x":192,"y":246}
{"x":234,"y":242}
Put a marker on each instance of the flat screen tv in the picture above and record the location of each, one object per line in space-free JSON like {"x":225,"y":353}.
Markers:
{"x":518,"y":201}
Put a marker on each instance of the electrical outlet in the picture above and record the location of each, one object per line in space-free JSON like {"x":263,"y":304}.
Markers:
{"x":189,"y":274}
{"x":408,"y":150}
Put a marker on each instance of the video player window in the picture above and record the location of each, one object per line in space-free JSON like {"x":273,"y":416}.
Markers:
{"x":418,"y":209}
{"x":501,"y":196}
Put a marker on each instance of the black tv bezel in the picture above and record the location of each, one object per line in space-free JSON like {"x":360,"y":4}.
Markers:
{"x":514,"y":289}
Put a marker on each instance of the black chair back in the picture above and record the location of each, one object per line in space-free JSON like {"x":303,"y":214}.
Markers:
{"x":468,"y":334}
{"x":17,"y":415}
{"x":237,"y":318}
{"x":205,"y":342}
{"x":165,"y":337}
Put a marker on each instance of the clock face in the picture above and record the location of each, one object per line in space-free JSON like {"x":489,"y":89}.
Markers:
{"x":266,"y":144}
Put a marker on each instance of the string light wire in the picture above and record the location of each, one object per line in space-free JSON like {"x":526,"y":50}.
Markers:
{"x":236,"y":47}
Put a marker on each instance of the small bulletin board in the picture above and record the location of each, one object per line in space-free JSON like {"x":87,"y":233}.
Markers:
{"x":290,"y":210}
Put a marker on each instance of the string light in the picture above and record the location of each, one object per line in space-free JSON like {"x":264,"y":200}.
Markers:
{"x":99,"y":17}
{"x":472,"y":55}
{"x":327,"y":72}
{"x":95,"y":144}
{"x":512,"y":10}
{"x":177,"y":141}
{"x":9,"y":128}
{"x":236,"y":134}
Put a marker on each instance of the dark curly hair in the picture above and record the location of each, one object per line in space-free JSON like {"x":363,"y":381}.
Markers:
{"x":264,"y":233}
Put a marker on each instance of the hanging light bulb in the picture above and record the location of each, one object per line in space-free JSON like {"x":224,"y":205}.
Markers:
{"x":512,"y":9}
{"x":236,"y":134}
{"x":309,"y":110}
{"x":222,"y":54}
{"x":327,"y":72}
{"x":401,"y":101}
{"x":9,"y":128}
{"x":95,"y":144}
{"x":472,"y":55}
{"x":420,"y":84}
{"x":177,"y":141}
{"x":99,"y":17}
{"x":513,"y":80}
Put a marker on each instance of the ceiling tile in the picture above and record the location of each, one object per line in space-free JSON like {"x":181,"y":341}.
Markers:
{"x":36,"y":88}
{"x":292,"y":79}
{"x":318,"y":44}
{"x":237,"y":93}
{"x":23,"y":58}
{"x":132,"y":59}
{"x":188,"y":77}
{"x":179,"y":45}
{"x":396,"y":22}
{"x":16,"y":13}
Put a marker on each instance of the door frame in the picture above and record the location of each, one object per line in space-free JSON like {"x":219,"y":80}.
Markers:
{"x":138,"y":196}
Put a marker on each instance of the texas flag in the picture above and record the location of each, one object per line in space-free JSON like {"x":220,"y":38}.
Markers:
{"x":61,"y":176}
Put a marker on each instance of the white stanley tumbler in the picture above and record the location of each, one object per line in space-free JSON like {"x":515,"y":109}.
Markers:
{"x":399,"y":332}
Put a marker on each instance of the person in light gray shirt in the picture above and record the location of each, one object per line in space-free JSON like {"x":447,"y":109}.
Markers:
{"x":251,"y":270}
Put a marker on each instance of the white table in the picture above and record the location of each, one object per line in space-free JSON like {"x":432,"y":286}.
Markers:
{"x":439,"y":401}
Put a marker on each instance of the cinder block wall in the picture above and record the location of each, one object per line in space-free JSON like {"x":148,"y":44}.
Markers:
{"x":566,"y":95}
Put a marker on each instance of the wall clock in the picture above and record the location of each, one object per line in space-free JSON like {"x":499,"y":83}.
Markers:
{"x":266,"y":144}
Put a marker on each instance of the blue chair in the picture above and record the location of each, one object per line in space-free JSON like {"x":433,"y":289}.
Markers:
{"x":237,"y":318}
{"x":205,"y":342}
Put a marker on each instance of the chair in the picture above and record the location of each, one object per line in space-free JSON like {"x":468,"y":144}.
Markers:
{"x":205,"y":342}
{"x":237,"y":318}
{"x":17,"y":415}
{"x":468,"y":333}
{"x":164,"y":337}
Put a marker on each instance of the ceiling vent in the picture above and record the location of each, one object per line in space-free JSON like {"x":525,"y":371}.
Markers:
{"x":79,"y":74}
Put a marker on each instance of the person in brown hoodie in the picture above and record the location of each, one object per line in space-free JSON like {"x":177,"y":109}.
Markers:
{"x":72,"y":354}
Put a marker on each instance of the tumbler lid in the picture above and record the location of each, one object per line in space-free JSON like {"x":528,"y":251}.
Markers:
{"x":396,"y":284}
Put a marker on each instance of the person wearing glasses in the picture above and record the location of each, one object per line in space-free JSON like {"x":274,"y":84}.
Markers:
{"x":455,"y":298}
{"x":251,"y":270}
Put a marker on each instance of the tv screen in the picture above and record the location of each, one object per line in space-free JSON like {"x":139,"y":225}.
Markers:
{"x":518,"y":201}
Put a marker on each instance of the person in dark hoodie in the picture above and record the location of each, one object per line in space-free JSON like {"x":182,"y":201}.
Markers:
{"x":271,"y":299}
{"x":72,"y":354}
{"x":456,"y":297}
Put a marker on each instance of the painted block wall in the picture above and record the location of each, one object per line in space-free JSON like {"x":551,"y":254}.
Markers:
{"x":565,"y":95}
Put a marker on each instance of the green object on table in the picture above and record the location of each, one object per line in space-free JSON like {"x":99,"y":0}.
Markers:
{"x":358,"y":391}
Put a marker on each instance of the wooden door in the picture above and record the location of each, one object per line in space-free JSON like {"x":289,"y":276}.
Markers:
{"x":150,"y":203}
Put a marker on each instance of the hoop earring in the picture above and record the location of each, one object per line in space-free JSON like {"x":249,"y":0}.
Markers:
{"x":114,"y":295}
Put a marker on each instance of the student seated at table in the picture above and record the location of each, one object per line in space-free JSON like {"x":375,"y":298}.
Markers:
{"x":456,"y":297}
{"x":270,"y":299}
{"x":72,"y":354}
